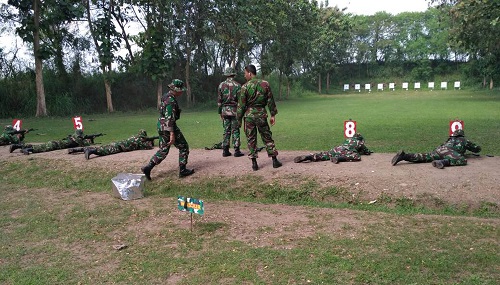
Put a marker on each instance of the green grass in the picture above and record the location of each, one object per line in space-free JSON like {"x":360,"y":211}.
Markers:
{"x":414,"y":120}
{"x":58,"y":228}
{"x":57,"y":225}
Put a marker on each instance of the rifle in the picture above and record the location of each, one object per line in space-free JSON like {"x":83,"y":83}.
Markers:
{"x":22,"y":131}
{"x":151,"y":139}
{"x":92,"y":137}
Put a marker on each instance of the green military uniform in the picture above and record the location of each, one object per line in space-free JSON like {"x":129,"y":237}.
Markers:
{"x":11,"y":136}
{"x":255,"y":95}
{"x":77,"y":139}
{"x":350,"y":150}
{"x":450,"y":153}
{"x":167,"y":124}
{"x":138,"y":142}
{"x":227,"y":102}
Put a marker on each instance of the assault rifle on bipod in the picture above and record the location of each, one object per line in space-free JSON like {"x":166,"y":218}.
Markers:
{"x":92,"y":137}
{"x":22,"y":131}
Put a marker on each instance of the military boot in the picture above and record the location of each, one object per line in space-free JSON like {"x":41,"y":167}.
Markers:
{"x":27,"y":150}
{"x":225,"y":151}
{"x":88,"y":151}
{"x":276,"y":162}
{"x":401,"y":155}
{"x":302,"y":158}
{"x":147,"y":170}
{"x":13,"y":147}
{"x":337,"y":159}
{"x":255,"y":166}
{"x":440,"y":163}
{"x":237,"y":152}
{"x":183,"y":171}
{"x":75,"y":150}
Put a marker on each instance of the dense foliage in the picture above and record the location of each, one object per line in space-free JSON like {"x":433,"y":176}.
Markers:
{"x":101,"y":55}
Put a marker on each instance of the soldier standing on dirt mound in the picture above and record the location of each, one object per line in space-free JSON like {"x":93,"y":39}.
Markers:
{"x":255,"y":95}
{"x":227,"y":102}
{"x":169,"y":132}
{"x":451,"y":153}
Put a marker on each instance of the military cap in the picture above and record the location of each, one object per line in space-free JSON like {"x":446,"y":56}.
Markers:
{"x":229,"y":72}
{"x":177,"y":85}
{"x":458,"y":133}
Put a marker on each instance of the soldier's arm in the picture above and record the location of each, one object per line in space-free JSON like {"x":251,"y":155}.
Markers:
{"x":242,"y":101}
{"x":271,"y":105}
{"x":472,"y":147}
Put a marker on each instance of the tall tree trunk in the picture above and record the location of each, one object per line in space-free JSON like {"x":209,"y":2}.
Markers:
{"x":106,"y":69}
{"x":328,"y":82}
{"x":491,"y":83}
{"x":288,"y":88}
{"x":319,"y":83}
{"x":41,"y":108}
{"x":107,"y":86}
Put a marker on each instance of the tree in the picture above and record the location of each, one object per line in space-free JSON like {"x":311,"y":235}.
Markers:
{"x":36,"y":27}
{"x":331,"y":46}
{"x":155,"y":42}
{"x":106,"y":40}
{"x":475,"y":27}
{"x":295,"y":23}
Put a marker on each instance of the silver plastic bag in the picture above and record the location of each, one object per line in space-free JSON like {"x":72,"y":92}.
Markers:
{"x":128,"y":186}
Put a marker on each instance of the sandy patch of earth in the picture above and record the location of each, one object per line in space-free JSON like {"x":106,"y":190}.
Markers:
{"x":370,"y":178}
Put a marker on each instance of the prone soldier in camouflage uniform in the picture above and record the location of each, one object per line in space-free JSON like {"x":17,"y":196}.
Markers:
{"x":255,"y":94}
{"x":350,"y":150}
{"x":227,"y":102}
{"x":451,"y":153}
{"x":77,"y":139}
{"x":138,"y":142}
{"x":169,"y":132}
{"x":12,"y":136}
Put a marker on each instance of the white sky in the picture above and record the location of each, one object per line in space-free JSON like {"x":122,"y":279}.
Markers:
{"x":370,"y":7}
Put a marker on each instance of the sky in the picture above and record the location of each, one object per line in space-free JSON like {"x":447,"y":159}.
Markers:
{"x":370,"y":7}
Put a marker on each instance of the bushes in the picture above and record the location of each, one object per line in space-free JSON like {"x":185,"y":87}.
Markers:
{"x":75,"y":93}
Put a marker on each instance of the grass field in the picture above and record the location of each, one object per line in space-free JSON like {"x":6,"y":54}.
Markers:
{"x":416,"y":121}
{"x":57,"y":225}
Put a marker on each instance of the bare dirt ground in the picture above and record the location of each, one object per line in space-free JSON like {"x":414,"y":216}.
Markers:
{"x":373,"y":176}
{"x":283,"y":226}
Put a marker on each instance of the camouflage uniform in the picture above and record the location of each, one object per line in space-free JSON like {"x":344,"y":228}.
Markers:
{"x":254,"y":96}
{"x":75,"y":140}
{"x":227,"y":102}
{"x":137,"y":142}
{"x":450,"y":153}
{"x":350,"y":150}
{"x":169,"y":114}
{"x":10,"y":137}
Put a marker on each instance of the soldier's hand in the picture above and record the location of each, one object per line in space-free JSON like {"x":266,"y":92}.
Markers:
{"x":272,"y":120}
{"x":172,"y":139}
